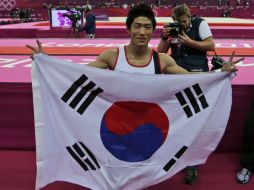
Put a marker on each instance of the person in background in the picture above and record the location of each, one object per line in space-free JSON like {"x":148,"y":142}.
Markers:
{"x":90,"y":25}
{"x":22,"y":15}
{"x":219,"y":3}
{"x":125,"y":5}
{"x":247,"y":155}
{"x":88,"y":5}
{"x":189,"y":38}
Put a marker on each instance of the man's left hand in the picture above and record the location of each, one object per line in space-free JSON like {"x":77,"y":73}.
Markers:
{"x":184,"y":39}
{"x":230,"y":64}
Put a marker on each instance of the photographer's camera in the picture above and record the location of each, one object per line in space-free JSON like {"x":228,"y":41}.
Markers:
{"x":176,"y":28}
{"x":73,"y":16}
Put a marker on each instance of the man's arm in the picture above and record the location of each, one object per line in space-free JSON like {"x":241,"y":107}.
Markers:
{"x":169,"y":66}
{"x":105,"y":60}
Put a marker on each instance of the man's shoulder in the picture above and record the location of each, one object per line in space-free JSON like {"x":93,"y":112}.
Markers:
{"x":165,"y":59}
{"x":164,"y":56}
{"x":196,"y":20}
{"x":110,"y":54}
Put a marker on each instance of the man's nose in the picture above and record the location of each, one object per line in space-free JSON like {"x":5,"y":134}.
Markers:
{"x":142,"y":30}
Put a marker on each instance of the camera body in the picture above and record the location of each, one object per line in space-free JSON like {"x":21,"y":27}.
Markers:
{"x":176,"y":28}
{"x":74,"y":17}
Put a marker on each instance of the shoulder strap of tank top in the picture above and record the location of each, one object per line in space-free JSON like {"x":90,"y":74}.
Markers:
{"x":156,"y":62}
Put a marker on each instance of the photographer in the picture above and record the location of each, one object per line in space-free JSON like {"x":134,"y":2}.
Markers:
{"x":90,"y":25}
{"x":189,"y":38}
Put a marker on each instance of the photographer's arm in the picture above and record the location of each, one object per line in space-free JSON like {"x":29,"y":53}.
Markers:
{"x":205,"y":44}
{"x":163,"y":45}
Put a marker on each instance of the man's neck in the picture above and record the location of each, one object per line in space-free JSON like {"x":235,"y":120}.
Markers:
{"x":137,"y":50}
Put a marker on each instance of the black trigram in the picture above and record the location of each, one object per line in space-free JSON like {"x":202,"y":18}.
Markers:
{"x":172,"y":161}
{"x":83,"y":156}
{"x":74,"y":87}
{"x":192,"y":100}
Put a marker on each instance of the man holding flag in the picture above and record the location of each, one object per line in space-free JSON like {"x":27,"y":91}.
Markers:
{"x":140,"y":24}
{"x":136,"y":139}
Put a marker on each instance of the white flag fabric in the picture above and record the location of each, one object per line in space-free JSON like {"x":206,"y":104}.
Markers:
{"x":108,"y":130}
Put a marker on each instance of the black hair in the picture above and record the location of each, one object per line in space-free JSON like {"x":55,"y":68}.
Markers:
{"x":140,"y":10}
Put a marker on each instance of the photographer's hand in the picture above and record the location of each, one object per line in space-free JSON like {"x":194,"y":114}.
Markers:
{"x":163,"y":45}
{"x":230,"y":64}
{"x":203,"y":45}
{"x":36,"y":50}
{"x":184,"y":39}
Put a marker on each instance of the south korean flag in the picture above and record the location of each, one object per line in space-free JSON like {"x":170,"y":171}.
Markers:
{"x":108,"y":130}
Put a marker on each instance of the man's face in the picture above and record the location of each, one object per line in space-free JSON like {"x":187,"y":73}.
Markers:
{"x":185,"y":20}
{"x":141,"y":31}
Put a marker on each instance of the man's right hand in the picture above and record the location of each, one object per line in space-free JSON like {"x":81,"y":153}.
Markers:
{"x":36,"y":50}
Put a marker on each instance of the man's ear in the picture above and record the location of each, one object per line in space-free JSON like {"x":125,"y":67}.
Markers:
{"x":128,"y":30}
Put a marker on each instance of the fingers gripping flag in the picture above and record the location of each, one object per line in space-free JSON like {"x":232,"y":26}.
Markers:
{"x":108,"y":130}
